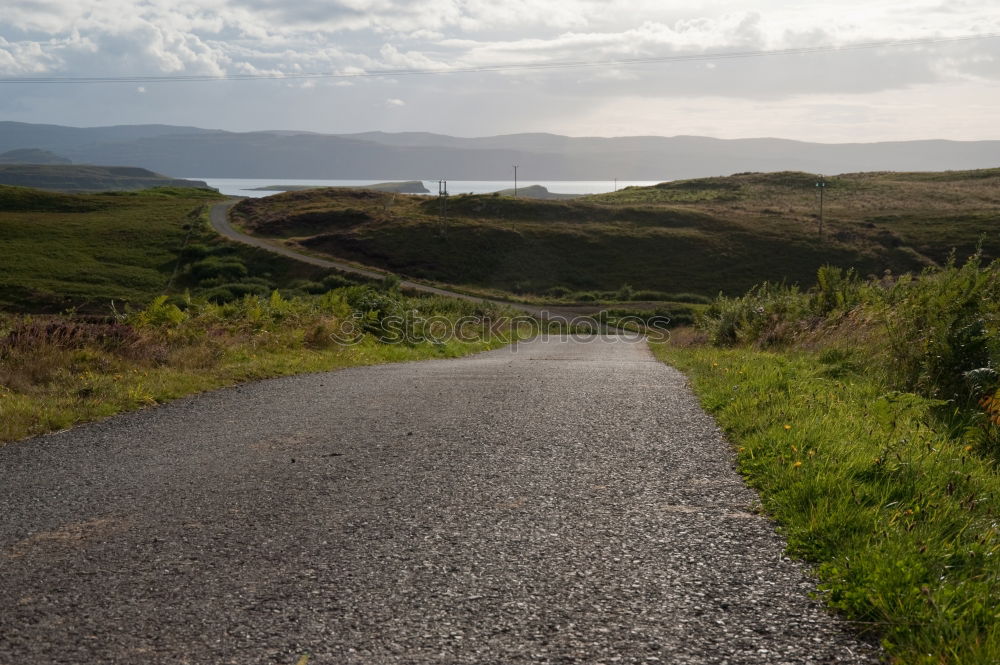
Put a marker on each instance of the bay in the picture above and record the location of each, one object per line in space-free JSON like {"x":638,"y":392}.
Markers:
{"x":247,"y":186}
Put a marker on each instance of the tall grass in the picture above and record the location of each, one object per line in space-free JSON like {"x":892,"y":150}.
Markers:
{"x":898,"y":513}
{"x":59,"y":371}
{"x":867,"y":413}
{"x":936,"y":334}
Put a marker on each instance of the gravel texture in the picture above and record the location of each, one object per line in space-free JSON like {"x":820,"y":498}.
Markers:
{"x":555,"y":502}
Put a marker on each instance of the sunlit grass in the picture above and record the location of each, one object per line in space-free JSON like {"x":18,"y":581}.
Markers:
{"x":900,"y":517}
{"x":57,"y":372}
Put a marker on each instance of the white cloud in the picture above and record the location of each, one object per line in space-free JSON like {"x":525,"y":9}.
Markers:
{"x":277,"y":38}
{"x":393,"y":102}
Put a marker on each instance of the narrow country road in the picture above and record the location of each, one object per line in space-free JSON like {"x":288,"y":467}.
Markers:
{"x":560,"y":501}
{"x":219,"y":218}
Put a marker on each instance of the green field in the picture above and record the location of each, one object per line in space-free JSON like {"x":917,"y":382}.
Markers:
{"x":702,"y":236}
{"x":86,"y":250}
{"x":83,"y":251}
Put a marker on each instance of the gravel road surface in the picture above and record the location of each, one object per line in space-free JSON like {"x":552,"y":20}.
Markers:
{"x":555,"y":502}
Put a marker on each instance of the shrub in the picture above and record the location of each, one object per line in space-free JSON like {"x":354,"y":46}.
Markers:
{"x":943,"y":326}
{"x":158,"y":313}
{"x":764,"y":316}
{"x":625,"y":292}
{"x":835,"y":291}
{"x":229,"y":268}
{"x":331,"y":282}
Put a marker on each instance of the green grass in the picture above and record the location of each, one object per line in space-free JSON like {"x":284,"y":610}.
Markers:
{"x":700,"y":236}
{"x":84,"y":251}
{"x":56,"y":372}
{"x":899,"y":515}
{"x":192,"y":311}
{"x":87,"y":178}
{"x":80,"y":252}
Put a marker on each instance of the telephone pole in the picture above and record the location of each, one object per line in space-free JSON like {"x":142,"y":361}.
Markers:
{"x":515,"y":181}
{"x":821,"y":187}
{"x":443,"y":207}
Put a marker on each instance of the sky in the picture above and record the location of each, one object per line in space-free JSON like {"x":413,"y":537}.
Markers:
{"x":932,"y":89}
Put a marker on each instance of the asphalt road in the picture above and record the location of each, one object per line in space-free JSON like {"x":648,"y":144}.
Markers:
{"x":554,"y":502}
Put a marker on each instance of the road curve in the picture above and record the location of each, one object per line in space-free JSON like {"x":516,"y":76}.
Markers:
{"x":559,"y":501}
{"x":219,"y":217}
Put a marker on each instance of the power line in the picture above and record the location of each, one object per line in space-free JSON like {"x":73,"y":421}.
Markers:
{"x":579,"y":64}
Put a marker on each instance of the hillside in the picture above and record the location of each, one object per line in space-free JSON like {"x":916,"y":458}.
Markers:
{"x":701,"y":236}
{"x":32,"y":156}
{"x":408,"y":187}
{"x":537,"y":192}
{"x":82,"y":252}
{"x":190,"y":151}
{"x":86,"y":178}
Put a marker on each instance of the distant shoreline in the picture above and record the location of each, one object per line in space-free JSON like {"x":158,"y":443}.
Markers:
{"x":257,"y":187}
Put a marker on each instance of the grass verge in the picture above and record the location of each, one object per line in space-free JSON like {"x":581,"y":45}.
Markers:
{"x":56,"y":372}
{"x":899,"y":515}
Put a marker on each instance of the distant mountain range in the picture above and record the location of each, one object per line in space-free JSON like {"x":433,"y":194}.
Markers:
{"x":31,"y":156}
{"x":195,"y":152}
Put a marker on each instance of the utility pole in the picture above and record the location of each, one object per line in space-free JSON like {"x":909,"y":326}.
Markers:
{"x":616,"y":184}
{"x":443,"y":207}
{"x":821,"y":187}
{"x":515,"y":181}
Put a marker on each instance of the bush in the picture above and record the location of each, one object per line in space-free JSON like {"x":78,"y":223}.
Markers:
{"x":835,"y":291}
{"x":229,"y":268}
{"x":943,"y":326}
{"x":937,"y":334}
{"x":765,"y":316}
{"x":558,"y":292}
{"x":194,"y":252}
{"x":331,"y":282}
{"x":626,"y":292}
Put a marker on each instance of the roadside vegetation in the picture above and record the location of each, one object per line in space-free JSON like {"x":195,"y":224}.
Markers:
{"x":58,"y":371}
{"x":698,"y":237}
{"x":115,"y":301}
{"x":867,"y":413}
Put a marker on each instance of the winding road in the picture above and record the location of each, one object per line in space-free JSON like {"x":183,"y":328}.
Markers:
{"x":219,"y":218}
{"x":557,"y":501}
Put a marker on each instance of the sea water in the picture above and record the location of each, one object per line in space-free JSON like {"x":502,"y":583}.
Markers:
{"x":247,"y":186}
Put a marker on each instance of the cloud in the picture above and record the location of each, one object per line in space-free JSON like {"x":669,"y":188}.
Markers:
{"x":277,"y":38}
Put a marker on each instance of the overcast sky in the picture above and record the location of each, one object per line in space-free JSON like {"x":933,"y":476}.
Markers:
{"x":942,"y":90}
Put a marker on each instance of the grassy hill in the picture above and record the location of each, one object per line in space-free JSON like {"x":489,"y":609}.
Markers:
{"x":702,"y":236}
{"x":82,"y":251}
{"x":87,"y":178}
{"x":32,"y":156}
